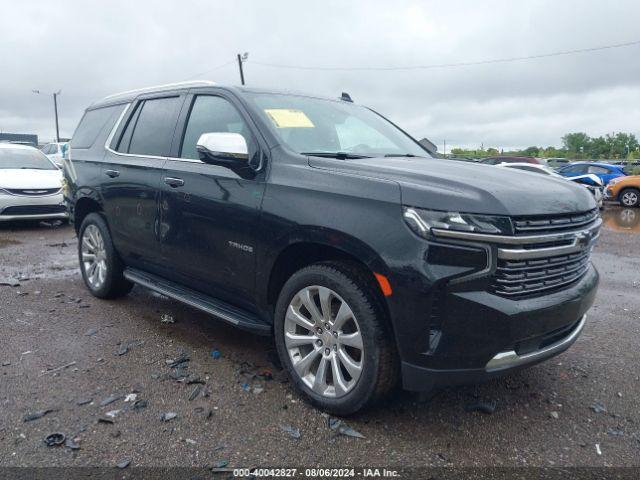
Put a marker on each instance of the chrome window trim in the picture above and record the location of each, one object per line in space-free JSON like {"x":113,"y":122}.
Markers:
{"x":107,"y":144}
{"x":517,"y":240}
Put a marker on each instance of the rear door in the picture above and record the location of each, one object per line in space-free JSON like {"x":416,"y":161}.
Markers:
{"x":131,"y":178}
{"x":210,"y":213}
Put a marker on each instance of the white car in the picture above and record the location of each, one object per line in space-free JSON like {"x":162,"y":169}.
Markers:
{"x":589,"y":181}
{"x":55,"y":151}
{"x":30,"y":185}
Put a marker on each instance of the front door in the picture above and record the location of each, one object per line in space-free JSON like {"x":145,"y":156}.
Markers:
{"x":210,"y":213}
{"x":132,"y":176}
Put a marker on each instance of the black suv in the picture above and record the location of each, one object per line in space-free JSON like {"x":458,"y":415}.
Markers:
{"x":320,"y":222}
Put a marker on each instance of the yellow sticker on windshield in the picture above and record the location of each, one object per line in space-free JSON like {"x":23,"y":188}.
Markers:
{"x":288,"y":118}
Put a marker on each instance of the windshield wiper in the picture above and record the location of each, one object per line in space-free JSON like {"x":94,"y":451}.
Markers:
{"x":401,"y":155}
{"x":338,"y":155}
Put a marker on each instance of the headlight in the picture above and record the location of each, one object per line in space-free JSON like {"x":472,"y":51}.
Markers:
{"x":615,"y":181}
{"x":423,"y":221}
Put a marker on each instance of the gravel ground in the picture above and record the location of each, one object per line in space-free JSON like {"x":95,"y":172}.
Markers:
{"x":63,"y":350}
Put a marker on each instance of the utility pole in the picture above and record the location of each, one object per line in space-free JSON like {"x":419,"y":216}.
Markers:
{"x":445,"y":147}
{"x":55,"y":110}
{"x":241,"y":59}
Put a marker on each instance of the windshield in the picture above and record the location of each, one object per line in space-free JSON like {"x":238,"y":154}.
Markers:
{"x":316,"y":126}
{"x":24,"y":158}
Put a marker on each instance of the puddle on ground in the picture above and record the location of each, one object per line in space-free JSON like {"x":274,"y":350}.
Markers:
{"x":6,"y":242}
{"x":620,"y":219}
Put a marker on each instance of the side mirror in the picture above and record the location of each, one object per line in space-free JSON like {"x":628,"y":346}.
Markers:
{"x":223,"y":148}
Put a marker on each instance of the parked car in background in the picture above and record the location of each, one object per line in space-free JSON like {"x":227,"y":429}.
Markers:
{"x":55,"y":151}
{"x":557,"y":162}
{"x":499,"y":160}
{"x":604,"y":171}
{"x":589,"y":181}
{"x":30,"y":185}
{"x":625,"y":190}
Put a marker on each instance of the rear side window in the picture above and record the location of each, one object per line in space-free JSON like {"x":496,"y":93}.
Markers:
{"x":150,"y":129}
{"x":90,"y":126}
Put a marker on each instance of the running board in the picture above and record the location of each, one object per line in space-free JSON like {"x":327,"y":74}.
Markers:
{"x":233,"y":315}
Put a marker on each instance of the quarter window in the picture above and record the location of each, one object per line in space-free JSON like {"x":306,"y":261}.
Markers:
{"x":90,"y":127}
{"x":211,"y":114}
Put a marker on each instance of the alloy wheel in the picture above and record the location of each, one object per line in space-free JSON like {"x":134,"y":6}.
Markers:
{"x":324,"y":341}
{"x":629,"y":199}
{"x":94,"y":257}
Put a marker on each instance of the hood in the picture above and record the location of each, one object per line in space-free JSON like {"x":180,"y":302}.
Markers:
{"x":467,"y":187}
{"x":30,"y":179}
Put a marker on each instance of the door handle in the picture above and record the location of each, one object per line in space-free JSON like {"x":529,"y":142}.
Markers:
{"x":174,"y":182}
{"x":112,"y":173}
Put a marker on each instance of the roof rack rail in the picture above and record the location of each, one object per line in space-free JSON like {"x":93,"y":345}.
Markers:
{"x":159,"y":88}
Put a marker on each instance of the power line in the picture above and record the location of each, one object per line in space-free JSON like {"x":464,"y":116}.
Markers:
{"x":451,"y":65}
{"x":197,"y":75}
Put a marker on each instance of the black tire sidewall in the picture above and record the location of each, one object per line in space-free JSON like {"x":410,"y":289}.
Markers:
{"x":364,"y":310}
{"x":112,"y":285}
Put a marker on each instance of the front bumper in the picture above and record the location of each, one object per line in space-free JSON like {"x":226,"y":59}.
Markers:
{"x":485,"y":337}
{"x":23,"y":207}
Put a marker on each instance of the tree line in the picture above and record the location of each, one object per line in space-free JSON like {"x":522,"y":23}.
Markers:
{"x":575,"y":146}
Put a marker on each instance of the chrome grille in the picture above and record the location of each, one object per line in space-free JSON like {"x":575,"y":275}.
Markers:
{"x":526,"y":277}
{"x":553,"y":224}
{"x":33,"y":192}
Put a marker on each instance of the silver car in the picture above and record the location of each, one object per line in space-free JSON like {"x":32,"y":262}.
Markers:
{"x":30,"y":185}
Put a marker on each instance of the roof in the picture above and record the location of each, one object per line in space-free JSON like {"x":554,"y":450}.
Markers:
{"x":598,"y":164}
{"x":130,"y":95}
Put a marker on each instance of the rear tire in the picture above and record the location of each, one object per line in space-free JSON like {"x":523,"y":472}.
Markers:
{"x":101,"y":267}
{"x":344,"y":329}
{"x":630,"y":197}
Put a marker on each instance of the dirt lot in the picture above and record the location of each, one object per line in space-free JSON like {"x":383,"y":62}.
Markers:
{"x":65,"y":351}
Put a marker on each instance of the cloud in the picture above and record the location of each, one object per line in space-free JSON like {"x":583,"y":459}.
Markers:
{"x":90,"y":50}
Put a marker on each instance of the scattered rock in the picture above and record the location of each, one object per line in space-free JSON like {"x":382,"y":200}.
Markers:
{"x":84,"y":401}
{"x":597,"y":407}
{"x":71,"y":444}
{"x":342,"y":428}
{"x":109,"y":400}
{"x":36,"y":415}
{"x":554,"y":415}
{"x":615,"y":432}
{"x":168,"y":416}
{"x":221,"y":463}
{"x":131,"y":397}
{"x":140,"y":404}
{"x":166,"y":318}
{"x":124,"y":463}
{"x":598,"y":451}
{"x":292,"y":431}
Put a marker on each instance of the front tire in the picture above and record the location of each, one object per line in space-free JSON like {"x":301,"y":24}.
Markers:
{"x":333,"y":339}
{"x":101,"y":267}
{"x":630,"y":197}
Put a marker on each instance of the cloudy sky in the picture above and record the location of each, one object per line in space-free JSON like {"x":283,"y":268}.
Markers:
{"x":89,"y":49}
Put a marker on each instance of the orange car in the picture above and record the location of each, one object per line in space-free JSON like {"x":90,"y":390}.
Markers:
{"x":625,"y":190}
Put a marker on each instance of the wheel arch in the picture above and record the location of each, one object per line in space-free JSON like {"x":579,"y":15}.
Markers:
{"x":322,"y":245}
{"x":86,"y":202}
